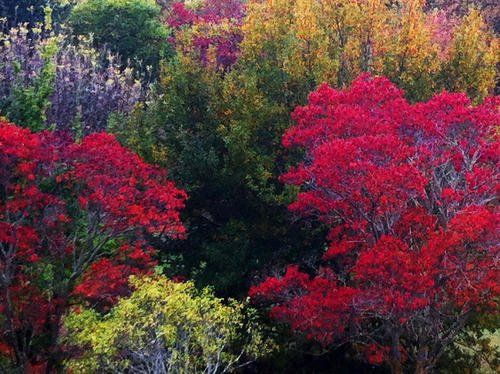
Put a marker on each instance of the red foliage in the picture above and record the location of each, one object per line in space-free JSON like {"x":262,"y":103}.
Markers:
{"x":131,"y":192}
{"x":409,"y":193}
{"x":107,"y":279}
{"x":73,"y":217}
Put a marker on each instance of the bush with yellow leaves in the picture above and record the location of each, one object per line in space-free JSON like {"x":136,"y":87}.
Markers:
{"x":164,"y":327}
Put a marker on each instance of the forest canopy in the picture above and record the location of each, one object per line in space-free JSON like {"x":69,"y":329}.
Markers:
{"x":249,"y":186}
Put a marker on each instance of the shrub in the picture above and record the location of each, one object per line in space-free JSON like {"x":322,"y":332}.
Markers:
{"x":163,"y":327}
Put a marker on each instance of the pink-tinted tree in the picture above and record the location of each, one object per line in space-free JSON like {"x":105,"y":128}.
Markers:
{"x":457,"y":8}
{"x":213,"y":26}
{"x":73,"y":219}
{"x":409,"y":192}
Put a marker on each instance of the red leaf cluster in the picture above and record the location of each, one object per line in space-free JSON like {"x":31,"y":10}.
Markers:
{"x":409,"y":192}
{"x":73,"y":219}
{"x":106,"y":280}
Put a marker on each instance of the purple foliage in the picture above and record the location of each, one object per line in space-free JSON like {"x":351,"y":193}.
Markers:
{"x":217,"y":10}
{"x":458,"y":8}
{"x":86,"y":90}
{"x":20,"y":60}
{"x":90,"y":92}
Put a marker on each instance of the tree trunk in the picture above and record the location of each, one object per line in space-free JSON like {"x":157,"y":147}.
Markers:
{"x":395,"y":360}
{"x":396,"y":366}
{"x":421,"y":368}
{"x":19,"y":349}
{"x":424,"y":366}
{"x":56,"y":357}
{"x":425,"y":362}
{"x":367,"y":56}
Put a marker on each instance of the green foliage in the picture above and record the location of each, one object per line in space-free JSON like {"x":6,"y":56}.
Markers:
{"x":29,"y":104}
{"x":131,"y":28}
{"x":164,"y":326}
{"x":219,"y":136}
{"x":218,"y":133}
{"x":34,"y":12}
{"x":477,"y":350}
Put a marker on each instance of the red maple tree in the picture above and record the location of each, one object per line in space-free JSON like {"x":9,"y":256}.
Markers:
{"x":409,"y":193}
{"x":73,"y":221}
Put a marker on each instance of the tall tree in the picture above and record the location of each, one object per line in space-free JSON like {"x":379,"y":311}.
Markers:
{"x":73,"y":218}
{"x":409,"y":194}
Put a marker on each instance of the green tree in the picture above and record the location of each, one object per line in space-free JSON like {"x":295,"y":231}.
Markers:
{"x":219,"y":134}
{"x":477,"y":349}
{"x":30,"y":86}
{"x":33,"y":12}
{"x":131,"y":28}
{"x":472,"y":66}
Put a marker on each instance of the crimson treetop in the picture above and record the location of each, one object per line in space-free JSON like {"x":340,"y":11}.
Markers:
{"x":409,"y":193}
{"x":73,"y":220}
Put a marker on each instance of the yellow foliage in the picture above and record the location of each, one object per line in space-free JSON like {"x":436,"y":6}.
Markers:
{"x":336,"y":40}
{"x":411,"y":58}
{"x":473,"y":58}
{"x":163,"y":323}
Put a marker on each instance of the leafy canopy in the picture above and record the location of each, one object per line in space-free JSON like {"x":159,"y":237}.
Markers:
{"x":163,"y":326}
{"x":73,"y":222}
{"x":131,"y":28}
{"x":408,"y":192}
